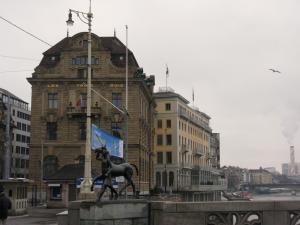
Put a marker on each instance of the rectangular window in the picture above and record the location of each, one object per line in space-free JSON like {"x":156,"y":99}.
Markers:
{"x":159,"y":123}
{"x":52,"y":100}
{"x":117,"y":99}
{"x":23,"y":139}
{"x":159,"y":139}
{"x":18,"y":149}
{"x":23,"y":127}
{"x":159,"y":158}
{"x":18,"y":137}
{"x":168,"y":123}
{"x":19,"y":125}
{"x":22,"y":163}
{"x":27,"y":151}
{"x":168,"y":106}
{"x":23,"y":150}
{"x":51,"y":130}
{"x":169,"y":157}
{"x":116,"y":129}
{"x":83,"y":99}
{"x":55,"y":193}
{"x":82,"y":73}
{"x":82,"y":130}
{"x":169,"y":139}
{"x":17,"y":163}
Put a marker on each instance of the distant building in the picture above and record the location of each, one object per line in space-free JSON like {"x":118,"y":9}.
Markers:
{"x":292,"y":168}
{"x":185,"y":161}
{"x":19,"y":129}
{"x":260,"y":176}
{"x":215,"y":150}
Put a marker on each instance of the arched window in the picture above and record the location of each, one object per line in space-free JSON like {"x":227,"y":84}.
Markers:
{"x":171,"y":179}
{"x":50,"y":165}
{"x":158,"y":179}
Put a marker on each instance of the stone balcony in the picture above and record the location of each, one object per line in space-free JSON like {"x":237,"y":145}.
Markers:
{"x":81,"y":111}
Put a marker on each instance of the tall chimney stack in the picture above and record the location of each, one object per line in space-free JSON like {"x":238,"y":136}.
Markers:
{"x":292,"y":155}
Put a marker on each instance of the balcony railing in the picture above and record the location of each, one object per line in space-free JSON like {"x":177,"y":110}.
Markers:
{"x":187,"y":165}
{"x":79,"y":111}
{"x":199,"y":152}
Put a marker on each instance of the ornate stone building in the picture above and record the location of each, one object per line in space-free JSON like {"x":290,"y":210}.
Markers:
{"x":59,"y":105}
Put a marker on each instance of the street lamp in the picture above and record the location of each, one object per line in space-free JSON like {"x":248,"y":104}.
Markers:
{"x":87,"y":19}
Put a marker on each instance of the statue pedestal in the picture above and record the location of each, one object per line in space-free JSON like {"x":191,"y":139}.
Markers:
{"x":123,"y":212}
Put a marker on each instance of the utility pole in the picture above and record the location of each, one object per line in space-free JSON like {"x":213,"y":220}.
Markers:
{"x":87,"y":19}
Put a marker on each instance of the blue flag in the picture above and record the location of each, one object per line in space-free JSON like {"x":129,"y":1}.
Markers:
{"x":101,"y":138}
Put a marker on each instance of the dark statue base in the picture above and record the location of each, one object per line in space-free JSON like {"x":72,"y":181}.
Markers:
{"x":123,"y":212}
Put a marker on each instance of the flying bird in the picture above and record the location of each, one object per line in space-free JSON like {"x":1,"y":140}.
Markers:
{"x":275,"y":71}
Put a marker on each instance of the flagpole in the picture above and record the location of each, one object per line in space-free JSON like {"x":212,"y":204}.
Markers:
{"x":167,"y":74}
{"x":126,"y":106}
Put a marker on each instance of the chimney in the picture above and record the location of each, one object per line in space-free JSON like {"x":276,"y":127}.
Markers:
{"x":292,"y":155}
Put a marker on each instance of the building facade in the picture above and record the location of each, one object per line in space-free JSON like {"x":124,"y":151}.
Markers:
{"x":59,"y":105}
{"x":16,"y":144}
{"x":184,"y":160}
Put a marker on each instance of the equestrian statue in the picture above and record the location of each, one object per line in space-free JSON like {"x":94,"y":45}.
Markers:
{"x":113,"y":170}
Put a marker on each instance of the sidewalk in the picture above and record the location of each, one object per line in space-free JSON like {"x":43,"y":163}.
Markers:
{"x":36,"y":216}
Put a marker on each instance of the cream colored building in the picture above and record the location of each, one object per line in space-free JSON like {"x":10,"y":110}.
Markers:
{"x":260,"y":176}
{"x":182,"y":148}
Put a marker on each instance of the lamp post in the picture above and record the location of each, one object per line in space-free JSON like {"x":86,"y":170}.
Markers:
{"x":87,"y":19}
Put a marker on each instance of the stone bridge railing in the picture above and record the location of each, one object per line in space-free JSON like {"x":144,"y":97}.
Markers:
{"x":142,"y":212}
{"x":226,"y":213}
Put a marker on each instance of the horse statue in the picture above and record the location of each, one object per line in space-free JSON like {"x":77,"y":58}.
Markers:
{"x":114,"y":170}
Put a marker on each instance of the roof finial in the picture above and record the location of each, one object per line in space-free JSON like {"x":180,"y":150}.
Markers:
{"x":67,"y":31}
{"x":115,"y":34}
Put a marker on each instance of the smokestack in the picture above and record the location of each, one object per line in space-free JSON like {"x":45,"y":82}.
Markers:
{"x":292,"y":155}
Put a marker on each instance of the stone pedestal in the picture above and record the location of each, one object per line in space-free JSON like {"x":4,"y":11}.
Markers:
{"x":119,"y":212}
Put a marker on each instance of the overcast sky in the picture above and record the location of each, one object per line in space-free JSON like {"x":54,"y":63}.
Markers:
{"x":221,"y":48}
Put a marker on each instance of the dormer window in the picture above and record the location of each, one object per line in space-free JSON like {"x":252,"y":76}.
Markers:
{"x":83,"y":60}
{"x":85,"y":43}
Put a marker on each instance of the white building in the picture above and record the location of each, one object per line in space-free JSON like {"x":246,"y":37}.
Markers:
{"x":19,"y":140}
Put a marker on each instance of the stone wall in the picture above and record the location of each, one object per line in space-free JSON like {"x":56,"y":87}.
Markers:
{"x":241,"y":213}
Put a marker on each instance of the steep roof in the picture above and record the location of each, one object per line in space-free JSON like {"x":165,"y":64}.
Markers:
{"x":112,"y":44}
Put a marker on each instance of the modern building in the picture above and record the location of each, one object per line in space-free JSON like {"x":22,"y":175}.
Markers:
{"x":185,"y":162}
{"x":15,"y":146}
{"x":59,"y":97}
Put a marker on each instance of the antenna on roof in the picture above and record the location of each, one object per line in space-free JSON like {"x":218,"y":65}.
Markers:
{"x":67,"y":31}
{"x":115,"y":34}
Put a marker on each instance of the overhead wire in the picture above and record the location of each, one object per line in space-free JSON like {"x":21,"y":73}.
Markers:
{"x":17,"y":57}
{"x":15,"y":71}
{"x":32,"y":35}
